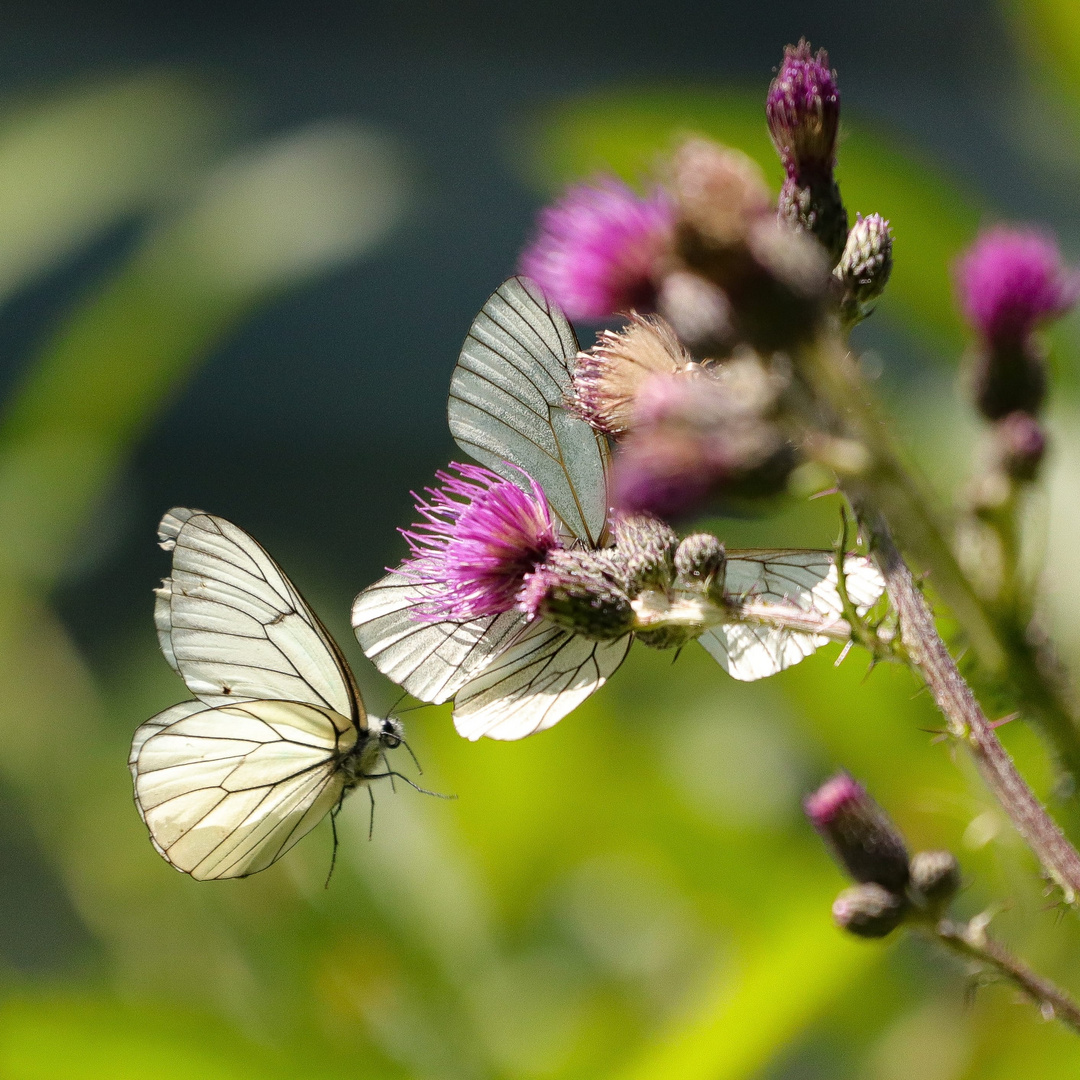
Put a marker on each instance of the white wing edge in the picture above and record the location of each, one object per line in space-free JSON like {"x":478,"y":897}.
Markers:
{"x":532,"y":685}
{"x":431,"y":661}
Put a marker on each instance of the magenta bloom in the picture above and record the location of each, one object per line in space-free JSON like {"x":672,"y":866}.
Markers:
{"x":596,"y":250}
{"x":479,"y":538}
{"x":1010,"y":280}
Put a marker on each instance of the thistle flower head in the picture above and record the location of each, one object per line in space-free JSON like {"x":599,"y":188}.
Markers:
{"x":803,"y":110}
{"x":1011,"y":280}
{"x":479,"y":538}
{"x":609,"y":377}
{"x":859,"y":833}
{"x":597,"y":249}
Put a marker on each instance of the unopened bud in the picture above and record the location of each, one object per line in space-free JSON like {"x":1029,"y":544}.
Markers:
{"x":865,"y":266}
{"x":859,"y":833}
{"x":803,"y":110}
{"x":700,"y":563}
{"x":1021,"y":445}
{"x":645,"y":552}
{"x":578,"y":591}
{"x":869,"y":910}
{"x":935,"y":877}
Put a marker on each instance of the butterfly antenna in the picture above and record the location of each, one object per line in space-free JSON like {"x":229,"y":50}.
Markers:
{"x":371,"y":816}
{"x":412,"y":708}
{"x":419,"y":767}
{"x":423,"y":790}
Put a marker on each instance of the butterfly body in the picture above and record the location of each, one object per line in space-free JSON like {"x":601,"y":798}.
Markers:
{"x":278,"y":734}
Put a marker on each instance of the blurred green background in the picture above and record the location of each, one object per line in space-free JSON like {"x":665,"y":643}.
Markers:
{"x":238,"y":253}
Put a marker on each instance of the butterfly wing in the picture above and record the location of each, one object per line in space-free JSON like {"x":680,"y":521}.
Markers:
{"x":793,"y":587}
{"x":226,"y":790}
{"x":432,"y":661}
{"x":234,"y":627}
{"x":531,"y":685}
{"x":507,"y":406}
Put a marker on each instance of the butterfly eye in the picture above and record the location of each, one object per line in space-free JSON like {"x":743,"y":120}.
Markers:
{"x":392,"y":734}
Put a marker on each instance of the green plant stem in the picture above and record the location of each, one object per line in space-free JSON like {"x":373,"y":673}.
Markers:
{"x":970,"y":941}
{"x":964,"y":717}
{"x":1008,"y":654}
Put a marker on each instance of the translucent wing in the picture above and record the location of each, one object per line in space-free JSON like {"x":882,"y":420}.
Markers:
{"x":507,"y":404}
{"x":533,"y":684}
{"x":227,"y":790}
{"x":234,"y":627}
{"x":432,"y":661}
{"x":789,"y":607}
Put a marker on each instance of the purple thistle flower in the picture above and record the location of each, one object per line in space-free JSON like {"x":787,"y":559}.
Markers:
{"x":803,"y":110}
{"x":597,"y":249}
{"x":1009,"y":281}
{"x":480,"y":538}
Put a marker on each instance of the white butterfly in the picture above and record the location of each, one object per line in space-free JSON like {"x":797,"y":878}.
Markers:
{"x":278,"y":736}
{"x":510,"y":677}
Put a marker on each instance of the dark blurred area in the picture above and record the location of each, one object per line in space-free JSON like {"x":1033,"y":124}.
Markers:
{"x":322,"y":409}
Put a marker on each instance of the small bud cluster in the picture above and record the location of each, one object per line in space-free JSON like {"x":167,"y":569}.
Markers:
{"x":1010,"y":283}
{"x":721,"y":288}
{"x":892,"y":887}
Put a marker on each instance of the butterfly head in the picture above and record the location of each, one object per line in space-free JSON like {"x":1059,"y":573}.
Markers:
{"x":391,"y":734}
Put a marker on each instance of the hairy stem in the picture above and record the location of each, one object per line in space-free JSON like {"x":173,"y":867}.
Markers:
{"x":965,"y":718}
{"x":1008,"y":653}
{"x":970,"y":941}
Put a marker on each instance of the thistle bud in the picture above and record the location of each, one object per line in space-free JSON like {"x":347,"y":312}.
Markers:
{"x":1009,"y":283}
{"x":803,"y":111}
{"x":645,"y":548}
{"x":700,"y":562}
{"x":869,"y":911}
{"x":864,"y":267}
{"x":1020,"y":445}
{"x":859,"y":832}
{"x":935,"y":878}
{"x":579,"y":591}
